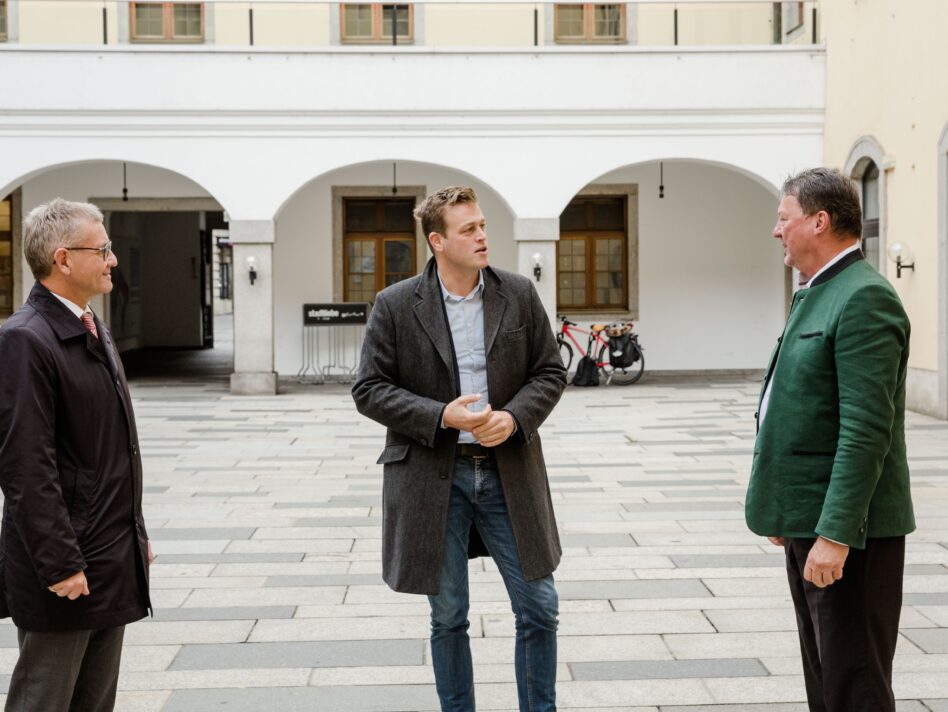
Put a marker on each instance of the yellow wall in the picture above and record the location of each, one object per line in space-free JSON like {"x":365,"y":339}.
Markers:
{"x":68,"y":22}
{"x":720,"y":23}
{"x":231,"y":25}
{"x":480,"y":26}
{"x":291,"y":25}
{"x":886,"y":79}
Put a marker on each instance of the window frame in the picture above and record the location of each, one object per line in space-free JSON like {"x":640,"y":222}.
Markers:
{"x":379,"y":237}
{"x":377,"y":23}
{"x":7,"y":237}
{"x":167,"y":22}
{"x":590,"y":237}
{"x":589,"y":25}
{"x":5,"y":27}
{"x":788,"y":15}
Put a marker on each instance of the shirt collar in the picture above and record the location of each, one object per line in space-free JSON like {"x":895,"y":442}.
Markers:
{"x":72,"y":306}
{"x":446,"y":295}
{"x":833,"y":261}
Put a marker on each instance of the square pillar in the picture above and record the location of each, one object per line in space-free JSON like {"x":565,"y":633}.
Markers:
{"x":253,"y":308}
{"x":538,"y":237}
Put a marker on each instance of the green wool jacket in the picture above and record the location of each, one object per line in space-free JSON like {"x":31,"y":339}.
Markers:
{"x":830,"y":459}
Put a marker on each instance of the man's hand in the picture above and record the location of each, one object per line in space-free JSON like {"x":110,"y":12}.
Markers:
{"x":824,"y":564}
{"x":775,"y":540}
{"x":72,"y":587}
{"x":151,"y":554}
{"x":496,"y":430}
{"x":457,"y":414}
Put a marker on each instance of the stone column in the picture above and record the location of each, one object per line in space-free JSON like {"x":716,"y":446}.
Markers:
{"x":253,"y":308}
{"x":538,"y":236}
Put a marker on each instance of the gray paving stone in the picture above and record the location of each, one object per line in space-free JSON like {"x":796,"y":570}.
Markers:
{"x":925,"y":599}
{"x":169,"y":534}
{"x":676,"y":483}
{"x":337,"y":521}
{"x":716,"y":561}
{"x":261,"y":558}
{"x":8,"y":637}
{"x":937,"y":705}
{"x":597,"y":540}
{"x":683,"y":506}
{"x":768,"y":707}
{"x":322,"y":580}
{"x":368,"y":698}
{"x":579,"y":590}
{"x":349,"y":653}
{"x":664,"y":669}
{"x":227,"y":613}
{"x":931,"y":640}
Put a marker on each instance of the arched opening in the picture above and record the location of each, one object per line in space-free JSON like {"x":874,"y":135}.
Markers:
{"x":348,"y":233}
{"x":865,"y":167}
{"x":683,"y":248}
{"x":169,"y":309}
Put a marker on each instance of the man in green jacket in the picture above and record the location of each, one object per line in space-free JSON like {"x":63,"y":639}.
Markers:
{"x":830,"y":480}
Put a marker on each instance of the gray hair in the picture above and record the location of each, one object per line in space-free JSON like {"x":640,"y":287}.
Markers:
{"x":829,"y":190}
{"x":53,"y":225}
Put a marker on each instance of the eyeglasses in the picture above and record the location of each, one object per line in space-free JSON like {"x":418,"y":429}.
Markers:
{"x":103,"y":251}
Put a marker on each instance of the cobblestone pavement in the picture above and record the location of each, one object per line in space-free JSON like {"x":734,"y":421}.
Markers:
{"x":264,"y":512}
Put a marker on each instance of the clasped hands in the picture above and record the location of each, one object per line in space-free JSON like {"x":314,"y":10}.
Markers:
{"x":490,"y":427}
{"x":824,"y":563}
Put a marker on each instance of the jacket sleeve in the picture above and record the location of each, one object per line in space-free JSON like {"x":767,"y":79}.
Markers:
{"x":376,"y":392}
{"x":546,"y":380}
{"x":29,"y":475}
{"x":871,"y":343}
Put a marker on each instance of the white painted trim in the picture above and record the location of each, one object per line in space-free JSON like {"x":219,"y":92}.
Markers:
{"x":865,"y":149}
{"x":13,"y":21}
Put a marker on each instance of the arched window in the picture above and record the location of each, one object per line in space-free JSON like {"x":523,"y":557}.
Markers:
{"x":870,"y":213}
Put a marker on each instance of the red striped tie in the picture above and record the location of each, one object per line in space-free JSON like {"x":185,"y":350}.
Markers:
{"x":89,"y":323}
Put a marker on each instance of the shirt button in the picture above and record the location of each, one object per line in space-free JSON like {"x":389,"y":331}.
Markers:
{"x":443,"y":477}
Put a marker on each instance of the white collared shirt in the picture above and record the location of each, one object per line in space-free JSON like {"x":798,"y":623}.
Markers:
{"x":73,"y":307}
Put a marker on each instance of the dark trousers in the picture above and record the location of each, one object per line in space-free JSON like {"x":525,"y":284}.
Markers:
{"x":74,"y":671}
{"x":849,"y":629}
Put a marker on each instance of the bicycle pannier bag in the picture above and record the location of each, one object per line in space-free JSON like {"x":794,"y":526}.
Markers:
{"x":587,"y":373}
{"x":622,"y":353}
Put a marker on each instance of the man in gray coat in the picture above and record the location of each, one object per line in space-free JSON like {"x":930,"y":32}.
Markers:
{"x":460,"y":364}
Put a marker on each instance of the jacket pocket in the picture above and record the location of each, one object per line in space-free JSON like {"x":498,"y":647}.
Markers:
{"x":392,"y":453}
{"x":813,"y":453}
{"x":515,"y":334}
{"x":811,"y":334}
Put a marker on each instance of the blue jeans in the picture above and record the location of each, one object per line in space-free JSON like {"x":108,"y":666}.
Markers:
{"x":477,"y":496}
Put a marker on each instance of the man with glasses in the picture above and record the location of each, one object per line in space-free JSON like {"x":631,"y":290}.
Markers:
{"x":74,"y":554}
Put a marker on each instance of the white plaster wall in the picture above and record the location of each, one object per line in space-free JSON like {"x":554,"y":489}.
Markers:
{"x":302,"y":253}
{"x":711,"y":277}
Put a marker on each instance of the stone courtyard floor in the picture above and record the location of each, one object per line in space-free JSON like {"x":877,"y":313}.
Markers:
{"x":264,"y":513}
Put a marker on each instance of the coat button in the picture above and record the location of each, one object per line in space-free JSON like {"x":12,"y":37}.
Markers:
{"x":423,"y":441}
{"x":443,"y":477}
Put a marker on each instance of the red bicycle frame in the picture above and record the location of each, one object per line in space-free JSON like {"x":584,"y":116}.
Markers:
{"x":591,"y":337}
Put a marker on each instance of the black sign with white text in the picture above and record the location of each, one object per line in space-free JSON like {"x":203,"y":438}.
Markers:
{"x":338,"y":313}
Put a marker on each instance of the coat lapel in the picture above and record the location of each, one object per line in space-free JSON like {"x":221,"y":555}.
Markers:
{"x":495,"y":304}
{"x":430,"y":314}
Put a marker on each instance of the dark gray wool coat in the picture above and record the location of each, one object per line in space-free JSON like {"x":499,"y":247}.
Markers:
{"x":71,"y":474}
{"x":407,"y":376}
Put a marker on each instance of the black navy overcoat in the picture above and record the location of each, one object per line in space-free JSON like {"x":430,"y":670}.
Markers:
{"x":70,"y":471}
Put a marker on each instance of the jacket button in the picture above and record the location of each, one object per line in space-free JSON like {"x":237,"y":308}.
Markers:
{"x":756,"y":414}
{"x":779,"y":339}
{"x":423,"y":441}
{"x":443,"y":477}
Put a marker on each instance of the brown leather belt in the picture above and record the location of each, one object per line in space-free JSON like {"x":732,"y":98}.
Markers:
{"x":472,"y":450}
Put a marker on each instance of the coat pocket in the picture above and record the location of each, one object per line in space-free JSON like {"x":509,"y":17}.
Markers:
{"x":392,"y":453}
{"x":82,"y":495}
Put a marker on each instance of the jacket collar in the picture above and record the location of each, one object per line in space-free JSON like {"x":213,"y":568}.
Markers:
{"x":57,"y":314}
{"x":850,"y":259}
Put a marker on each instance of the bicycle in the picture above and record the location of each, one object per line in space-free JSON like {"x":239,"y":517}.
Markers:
{"x":622,"y":347}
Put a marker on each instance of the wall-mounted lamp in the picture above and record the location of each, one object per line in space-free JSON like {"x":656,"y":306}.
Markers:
{"x":902,"y":256}
{"x":252,"y":269}
{"x":537,"y":265}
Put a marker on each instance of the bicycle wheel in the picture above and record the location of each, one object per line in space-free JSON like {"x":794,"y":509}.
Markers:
{"x":622,"y":376}
{"x":566,"y":353}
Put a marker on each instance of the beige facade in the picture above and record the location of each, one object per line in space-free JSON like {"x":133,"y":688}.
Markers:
{"x":886,"y":89}
{"x":474,"y":24}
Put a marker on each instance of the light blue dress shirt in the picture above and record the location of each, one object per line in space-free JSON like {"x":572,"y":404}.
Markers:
{"x":466,"y":320}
